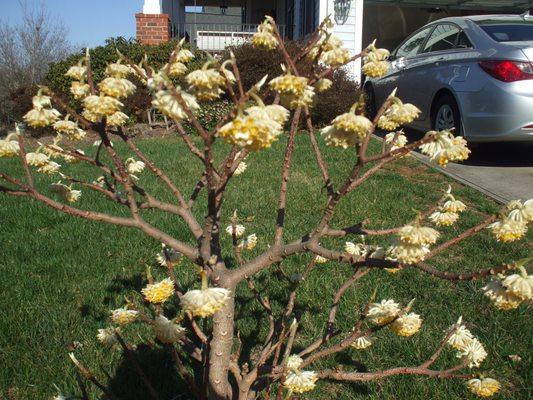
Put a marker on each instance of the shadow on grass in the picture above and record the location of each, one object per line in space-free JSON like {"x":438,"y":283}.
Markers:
{"x":160,"y":371}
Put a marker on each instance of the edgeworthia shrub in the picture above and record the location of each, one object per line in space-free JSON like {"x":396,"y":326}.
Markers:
{"x":203,"y":330}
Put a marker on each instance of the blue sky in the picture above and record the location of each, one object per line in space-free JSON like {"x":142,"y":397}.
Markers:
{"x":89,"y":22}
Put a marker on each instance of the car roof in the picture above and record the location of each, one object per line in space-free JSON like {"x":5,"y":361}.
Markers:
{"x":489,"y":18}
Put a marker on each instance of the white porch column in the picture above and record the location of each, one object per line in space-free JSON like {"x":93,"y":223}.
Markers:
{"x":351,"y":32}
{"x":152,"y":7}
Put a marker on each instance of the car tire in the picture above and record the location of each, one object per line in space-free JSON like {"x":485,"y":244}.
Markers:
{"x":446,"y":115}
{"x":370,"y":102}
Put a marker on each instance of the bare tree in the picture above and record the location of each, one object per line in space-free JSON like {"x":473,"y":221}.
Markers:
{"x":27,"y":49}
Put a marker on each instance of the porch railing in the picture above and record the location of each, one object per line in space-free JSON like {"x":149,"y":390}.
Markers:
{"x":217,"y":37}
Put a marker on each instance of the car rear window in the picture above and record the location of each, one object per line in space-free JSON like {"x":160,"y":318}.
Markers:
{"x":509,"y":32}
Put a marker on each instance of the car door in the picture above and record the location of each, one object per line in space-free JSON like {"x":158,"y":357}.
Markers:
{"x":401,"y":59}
{"x":438,"y":66}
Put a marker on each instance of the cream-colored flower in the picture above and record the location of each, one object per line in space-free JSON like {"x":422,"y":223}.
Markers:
{"x":69,"y":128}
{"x":483,"y":387}
{"x":248,"y":242}
{"x":39,"y":117}
{"x":395,"y":140}
{"x":443,"y":218}
{"x":375,"y":61}
{"x":49,"y":168}
{"x":407,"y":324}
{"x":117,"y":87}
{"x":397,"y":114}
{"x":521,"y":284}
{"x":323,"y":84}
{"x":118,"y":70}
{"x":289,"y":84}
{"x":167,"y":103}
{"x":239,"y":230}
{"x":453,"y":206}
{"x":336,"y":57}
{"x":306,"y":99}
{"x":134,"y":166}
{"x":444,"y":147}
{"x":99,"y":106}
{"x":254,"y":132}
{"x":297,"y":381}
{"x":383,"y":312}
{"x":320,"y":259}
{"x":80,"y":90}
{"x":167,"y":256}
{"x":107,"y":336}
{"x":205,"y":83}
{"x":420,"y":235}
{"x":205,"y":302}
{"x":362,"y":342}
{"x":294,"y":361}
{"x":77,"y":72}
{"x":358,"y":249}
{"x":461,"y":336}
{"x":123,"y":316}
{"x":66,"y":192}
{"x":264,"y":38}
{"x":176,"y":69}
{"x":117,"y":119}
{"x":9,"y":147}
{"x":346,"y":130}
{"x":508,"y":230}
{"x":37,"y":159}
{"x":240,"y":168}
{"x":275,"y":112}
{"x":167,"y":331}
{"x":159,"y":292}
{"x":502,"y":298}
{"x":184,"y":55}
{"x":473,"y":352}
{"x":409,"y":253}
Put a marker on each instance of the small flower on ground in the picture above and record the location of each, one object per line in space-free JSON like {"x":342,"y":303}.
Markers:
{"x":407,"y":324}
{"x":483,"y":387}
{"x":134,"y":166}
{"x":123,"y":316}
{"x":159,"y":292}
{"x":240,"y":168}
{"x":239,"y":230}
{"x":320,"y":259}
{"x":297,"y":381}
{"x":362,"y":342}
{"x":107,"y":336}
{"x":473,"y":352}
{"x":167,"y":331}
{"x":383,"y":312}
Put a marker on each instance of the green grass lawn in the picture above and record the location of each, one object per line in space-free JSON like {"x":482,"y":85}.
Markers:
{"x":60,"y":276}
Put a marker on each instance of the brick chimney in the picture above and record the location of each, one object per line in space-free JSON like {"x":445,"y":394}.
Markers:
{"x":152,"y":28}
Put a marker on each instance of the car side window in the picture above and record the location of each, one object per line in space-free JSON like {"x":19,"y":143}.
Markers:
{"x":446,"y":37}
{"x":411,"y":46}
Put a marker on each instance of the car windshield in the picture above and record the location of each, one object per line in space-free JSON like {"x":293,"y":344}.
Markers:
{"x":508,"y":31}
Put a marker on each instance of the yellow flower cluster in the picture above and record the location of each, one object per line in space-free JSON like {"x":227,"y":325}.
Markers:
{"x":167,"y":331}
{"x":42,"y":114}
{"x":483,"y":387}
{"x":407,"y":324}
{"x":204,"y":302}
{"x":9,"y":147}
{"x":159,"y":292}
{"x":97,"y":107}
{"x":384,"y":312}
{"x":468,"y":347}
{"x":395,"y":140}
{"x":205,"y":83}
{"x":414,"y":242}
{"x":445,"y":147}
{"x":294,"y":90}
{"x":264,"y":38}
{"x":123,"y":316}
{"x":118,"y":70}
{"x":108,"y":336}
{"x":295,"y":380}
{"x":322,"y":85}
{"x":362,"y":342}
{"x":249,"y":242}
{"x":79,"y":88}
{"x":346,"y":130}
{"x":66,"y":192}
{"x":397,"y":114}
{"x":116,"y":87}
{"x":69,"y":128}
{"x":328,"y":49}
{"x":167,"y":103}
{"x":513,"y":224}
{"x":508,"y":292}
{"x":257,"y":129}
{"x":239,"y":230}
{"x":375,"y":62}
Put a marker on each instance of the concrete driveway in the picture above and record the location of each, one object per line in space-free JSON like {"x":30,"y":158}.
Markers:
{"x":503,"y":171}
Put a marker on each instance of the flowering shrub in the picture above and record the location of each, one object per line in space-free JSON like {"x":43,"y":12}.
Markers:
{"x":203,"y":330}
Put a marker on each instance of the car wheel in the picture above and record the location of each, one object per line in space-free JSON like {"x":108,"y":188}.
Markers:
{"x":446,"y":115}
{"x":370,"y":102}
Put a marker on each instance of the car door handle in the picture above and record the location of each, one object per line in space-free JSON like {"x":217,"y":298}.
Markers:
{"x":439,"y":61}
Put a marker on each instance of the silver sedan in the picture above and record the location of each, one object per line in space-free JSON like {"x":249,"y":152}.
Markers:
{"x":474,"y":74}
